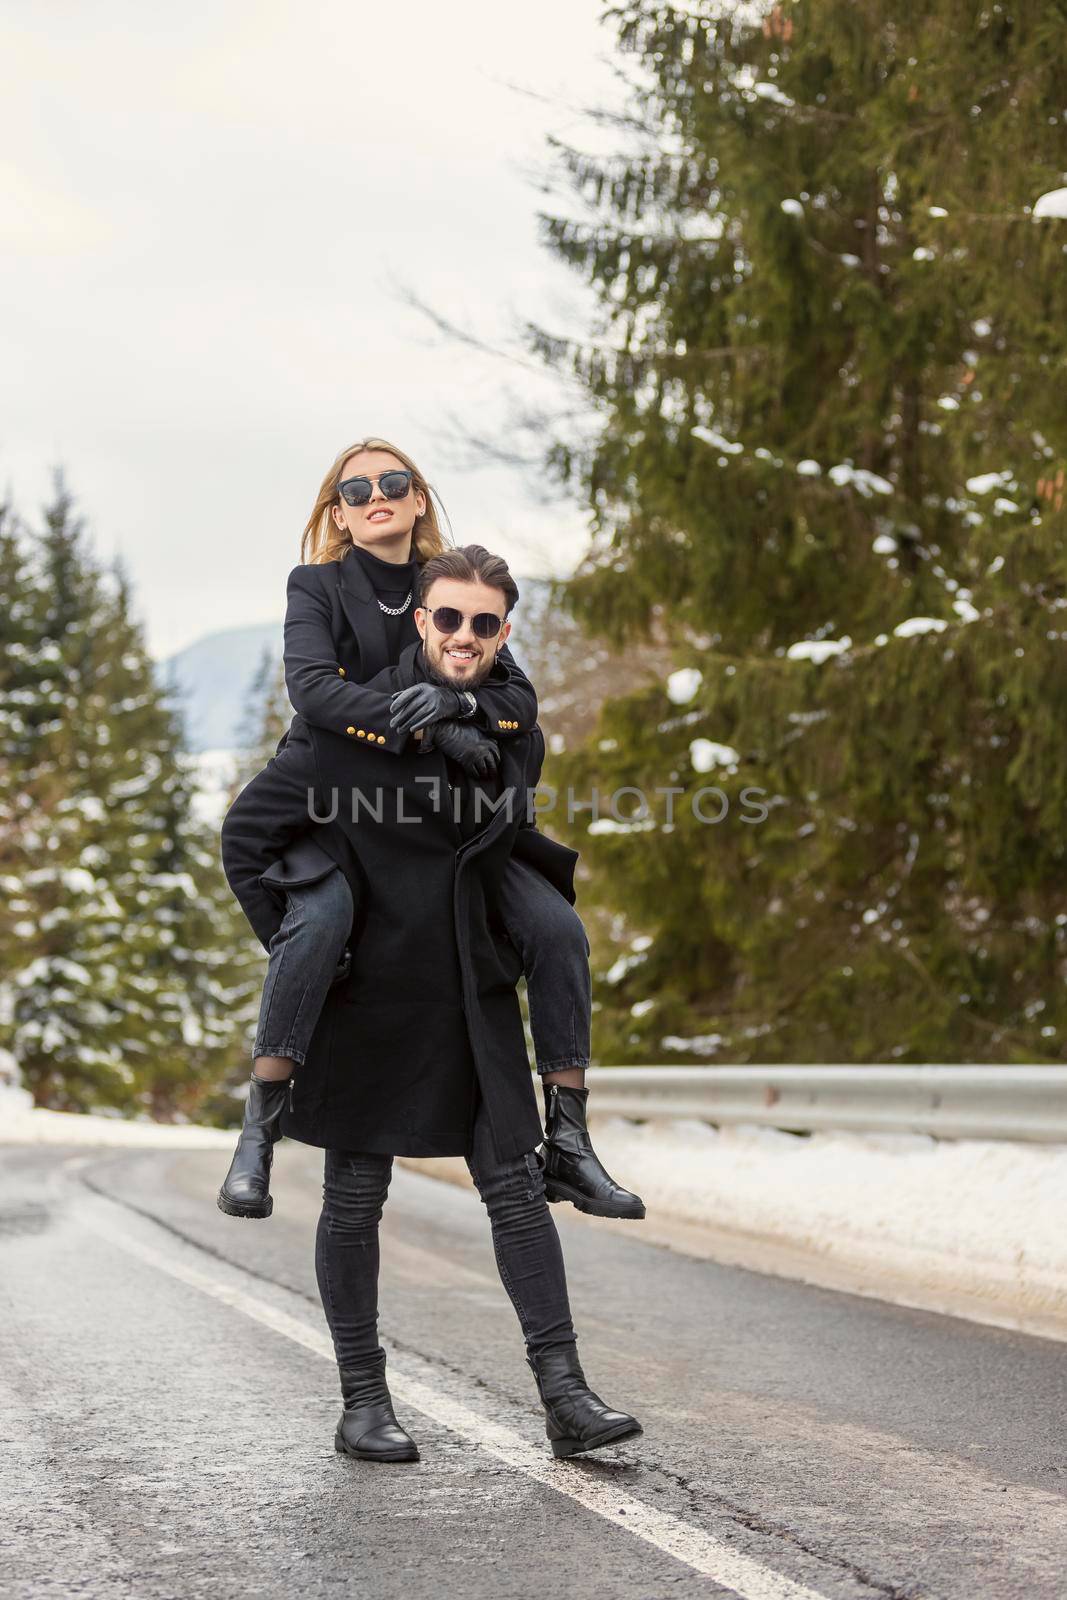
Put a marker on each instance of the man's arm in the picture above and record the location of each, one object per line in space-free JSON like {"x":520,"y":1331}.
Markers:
{"x":270,"y":812}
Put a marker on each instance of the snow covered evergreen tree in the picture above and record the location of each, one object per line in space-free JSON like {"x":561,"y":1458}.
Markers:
{"x":829,"y":458}
{"x":118,"y":989}
{"x":23,"y":672}
{"x":266,"y":717}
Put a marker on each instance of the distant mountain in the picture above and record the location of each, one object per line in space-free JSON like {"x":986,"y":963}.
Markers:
{"x":211,"y":681}
{"x":212,"y":678}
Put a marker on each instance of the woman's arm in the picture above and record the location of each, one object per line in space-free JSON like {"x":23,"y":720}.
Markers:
{"x":319,"y":691}
{"x":314,"y":679}
{"x":507,"y":701}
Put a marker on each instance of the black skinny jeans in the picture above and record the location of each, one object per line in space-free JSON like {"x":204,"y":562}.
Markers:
{"x":528,"y":1253}
{"x":545,"y":929}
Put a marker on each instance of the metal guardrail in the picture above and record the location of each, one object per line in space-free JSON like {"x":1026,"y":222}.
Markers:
{"x":949,"y":1102}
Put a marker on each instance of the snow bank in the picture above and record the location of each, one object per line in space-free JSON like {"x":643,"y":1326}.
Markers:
{"x":974,"y":1227}
{"x":20,"y":1123}
{"x":965,"y":1226}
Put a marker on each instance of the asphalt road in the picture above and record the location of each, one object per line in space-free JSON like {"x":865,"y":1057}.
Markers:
{"x":167,"y":1406}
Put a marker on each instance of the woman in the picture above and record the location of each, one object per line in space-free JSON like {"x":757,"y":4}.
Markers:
{"x":350,"y":614}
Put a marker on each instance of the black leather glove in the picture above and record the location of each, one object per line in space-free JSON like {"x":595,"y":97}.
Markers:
{"x":424,"y":703}
{"x":474,"y":750}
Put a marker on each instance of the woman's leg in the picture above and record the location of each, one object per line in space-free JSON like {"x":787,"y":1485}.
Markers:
{"x":304,"y":954}
{"x":303,"y":961}
{"x":529,"y":1259}
{"x":355,"y":1186}
{"x":548,"y":934}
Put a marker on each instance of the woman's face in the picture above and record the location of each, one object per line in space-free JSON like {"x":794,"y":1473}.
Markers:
{"x":382,"y":525}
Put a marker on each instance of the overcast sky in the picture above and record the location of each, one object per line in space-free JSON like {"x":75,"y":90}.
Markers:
{"x":205,"y":213}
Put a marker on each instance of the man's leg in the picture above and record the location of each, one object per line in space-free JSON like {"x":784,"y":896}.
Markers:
{"x":528,"y":1253}
{"x":529,"y":1259}
{"x":355,"y":1186}
{"x":303,"y":962}
{"x":549,"y":936}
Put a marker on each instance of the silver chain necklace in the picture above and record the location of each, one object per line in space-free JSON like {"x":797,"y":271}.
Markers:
{"x":395,"y":611}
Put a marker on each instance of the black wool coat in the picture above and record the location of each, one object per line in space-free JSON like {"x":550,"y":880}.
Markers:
{"x":337,"y":662}
{"x":338,"y":675}
{"x":428,"y":1017}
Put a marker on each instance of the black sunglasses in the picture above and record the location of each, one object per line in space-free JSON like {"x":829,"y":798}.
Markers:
{"x":446,"y":619}
{"x":393,"y":484}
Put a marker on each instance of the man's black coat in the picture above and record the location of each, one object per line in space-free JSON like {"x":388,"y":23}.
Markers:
{"x":428,"y":1013}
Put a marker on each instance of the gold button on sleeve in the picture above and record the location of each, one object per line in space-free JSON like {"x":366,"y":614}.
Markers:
{"x":341,"y":671}
{"x":350,"y":730}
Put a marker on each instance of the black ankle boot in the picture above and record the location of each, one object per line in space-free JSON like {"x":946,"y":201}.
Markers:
{"x":576,"y":1418}
{"x":573,"y":1170}
{"x":368,"y":1428}
{"x":246,"y":1190}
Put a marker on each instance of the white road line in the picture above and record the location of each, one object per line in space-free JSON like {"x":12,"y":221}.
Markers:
{"x":698,"y":1550}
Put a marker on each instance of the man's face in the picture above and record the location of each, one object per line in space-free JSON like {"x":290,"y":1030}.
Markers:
{"x":461,"y":658}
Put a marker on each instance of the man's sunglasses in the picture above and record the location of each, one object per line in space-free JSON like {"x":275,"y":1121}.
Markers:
{"x":446,"y":619}
{"x":393,"y":484}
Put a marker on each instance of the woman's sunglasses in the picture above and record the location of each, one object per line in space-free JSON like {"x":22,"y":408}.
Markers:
{"x":393,"y":484}
{"x":446,"y":619}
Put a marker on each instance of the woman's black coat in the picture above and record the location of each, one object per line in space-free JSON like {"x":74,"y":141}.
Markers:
{"x":338,"y":676}
{"x":428,"y":1015}
{"x":337,"y":659}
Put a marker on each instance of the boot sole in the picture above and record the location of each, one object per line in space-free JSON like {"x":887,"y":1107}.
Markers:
{"x":555,"y":1192}
{"x":233,"y":1209}
{"x":573,"y":1447}
{"x":374,"y":1455}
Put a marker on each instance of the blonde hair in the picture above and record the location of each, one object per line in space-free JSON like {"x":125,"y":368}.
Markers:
{"x":323,"y":540}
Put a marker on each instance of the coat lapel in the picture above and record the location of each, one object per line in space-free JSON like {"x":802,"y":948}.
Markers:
{"x":360,"y":606}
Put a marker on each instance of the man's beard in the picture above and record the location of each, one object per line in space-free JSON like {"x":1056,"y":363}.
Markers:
{"x":485,"y":665}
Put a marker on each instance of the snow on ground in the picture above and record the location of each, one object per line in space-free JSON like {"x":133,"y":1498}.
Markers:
{"x":969,"y":1225}
{"x":20,"y":1123}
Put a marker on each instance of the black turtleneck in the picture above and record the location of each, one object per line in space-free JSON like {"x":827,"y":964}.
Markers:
{"x":391,"y":582}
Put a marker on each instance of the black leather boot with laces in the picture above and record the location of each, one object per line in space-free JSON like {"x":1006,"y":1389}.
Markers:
{"x":576,"y":1418}
{"x":573,"y":1170}
{"x":246,"y":1190}
{"x":368,"y":1428}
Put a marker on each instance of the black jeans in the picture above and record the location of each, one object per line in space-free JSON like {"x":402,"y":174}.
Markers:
{"x":303,"y":959}
{"x":528,"y":1253}
{"x":545,"y":929}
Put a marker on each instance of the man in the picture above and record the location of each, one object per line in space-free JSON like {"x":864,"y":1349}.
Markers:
{"x":419,"y":1050}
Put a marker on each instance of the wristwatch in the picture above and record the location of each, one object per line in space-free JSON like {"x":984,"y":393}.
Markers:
{"x":468,"y":704}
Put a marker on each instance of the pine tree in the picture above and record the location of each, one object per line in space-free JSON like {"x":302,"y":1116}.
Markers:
{"x":829,"y":461}
{"x":266,"y":718}
{"x":23,"y":672}
{"x":118,"y":990}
